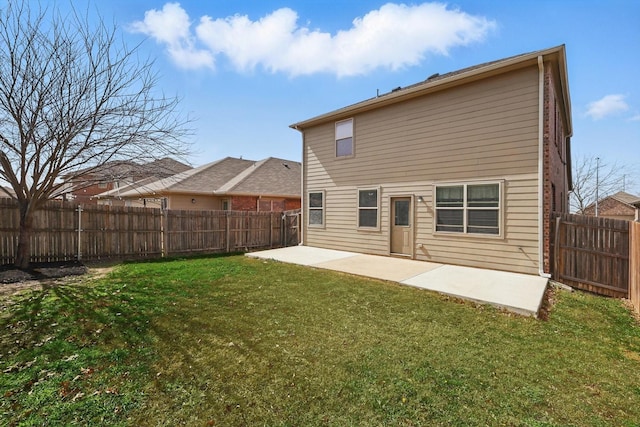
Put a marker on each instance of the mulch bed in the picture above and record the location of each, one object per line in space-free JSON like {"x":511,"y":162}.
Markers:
{"x":41,"y":271}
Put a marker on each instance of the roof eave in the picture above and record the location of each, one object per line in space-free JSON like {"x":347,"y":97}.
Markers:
{"x":496,"y":68}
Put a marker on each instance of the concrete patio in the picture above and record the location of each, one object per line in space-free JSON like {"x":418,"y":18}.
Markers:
{"x":519,"y":293}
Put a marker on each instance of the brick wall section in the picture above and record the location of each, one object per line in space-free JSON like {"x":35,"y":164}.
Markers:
{"x":251,"y":203}
{"x":84,"y":195}
{"x":244,"y":203}
{"x":555,"y":180}
{"x":610,"y":207}
{"x":290,"y":204}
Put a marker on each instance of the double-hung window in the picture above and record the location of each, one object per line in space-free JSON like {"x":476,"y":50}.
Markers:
{"x":469,"y":208}
{"x":344,"y":138}
{"x":316,"y":208}
{"x":368,"y":208}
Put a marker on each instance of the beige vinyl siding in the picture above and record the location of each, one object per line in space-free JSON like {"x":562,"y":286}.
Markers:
{"x":486,"y":130}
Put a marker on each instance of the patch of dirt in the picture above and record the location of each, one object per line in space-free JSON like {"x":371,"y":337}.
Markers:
{"x":548,"y":301}
{"x":13,"y":280}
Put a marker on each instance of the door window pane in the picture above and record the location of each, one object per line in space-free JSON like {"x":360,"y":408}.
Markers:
{"x":402,"y":212}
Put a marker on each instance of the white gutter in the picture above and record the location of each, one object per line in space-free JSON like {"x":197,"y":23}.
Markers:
{"x":541,"y":169}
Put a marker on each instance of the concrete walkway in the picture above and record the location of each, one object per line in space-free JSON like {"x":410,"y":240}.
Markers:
{"x":520,"y":293}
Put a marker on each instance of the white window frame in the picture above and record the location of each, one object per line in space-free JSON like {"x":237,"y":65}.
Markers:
{"x":322,"y":208}
{"x":338,"y":136}
{"x":376,"y":208}
{"x":465,"y":209}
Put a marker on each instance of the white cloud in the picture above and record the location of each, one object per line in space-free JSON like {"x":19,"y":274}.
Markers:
{"x":392,"y":37}
{"x":607,"y":106}
{"x":171,"y":27}
{"x":635,"y":118}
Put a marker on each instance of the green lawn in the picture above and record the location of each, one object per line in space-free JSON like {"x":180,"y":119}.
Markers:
{"x":229,"y":341}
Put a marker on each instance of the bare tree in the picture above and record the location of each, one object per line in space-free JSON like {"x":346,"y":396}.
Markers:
{"x":594,"y":178}
{"x":73,"y":97}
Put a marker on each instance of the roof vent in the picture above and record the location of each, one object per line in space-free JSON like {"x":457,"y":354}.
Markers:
{"x":433,"y":76}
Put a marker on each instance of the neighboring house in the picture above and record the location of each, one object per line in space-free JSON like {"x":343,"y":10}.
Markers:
{"x":7,"y":192}
{"x":83,"y":185}
{"x":462,"y":168}
{"x":228,"y":184}
{"x":617,"y":206}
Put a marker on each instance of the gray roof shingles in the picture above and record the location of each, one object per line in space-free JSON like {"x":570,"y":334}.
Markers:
{"x":271,"y":176}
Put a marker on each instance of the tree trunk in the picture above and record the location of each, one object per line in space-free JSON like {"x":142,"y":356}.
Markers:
{"x":23,"y":252}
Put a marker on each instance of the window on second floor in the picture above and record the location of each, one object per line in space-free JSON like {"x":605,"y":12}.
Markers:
{"x":344,"y":138}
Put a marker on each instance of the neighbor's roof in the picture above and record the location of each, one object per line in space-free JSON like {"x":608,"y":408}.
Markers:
{"x":626,"y":198}
{"x":228,"y":176}
{"x":200,"y":180}
{"x":6,"y":191}
{"x":116,"y":192}
{"x":120,"y":169}
{"x":437,"y":82}
{"x":271,"y":176}
{"x":620,"y":196}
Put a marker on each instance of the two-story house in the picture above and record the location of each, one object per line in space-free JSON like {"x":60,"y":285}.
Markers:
{"x":462,"y":168}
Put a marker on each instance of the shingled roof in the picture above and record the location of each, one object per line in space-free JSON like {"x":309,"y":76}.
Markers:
{"x":627,"y":198}
{"x":227,"y":176}
{"x":271,"y":176}
{"x":120,"y":169}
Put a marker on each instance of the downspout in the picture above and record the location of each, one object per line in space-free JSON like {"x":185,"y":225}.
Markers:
{"x":301,"y":221}
{"x":541,"y":169}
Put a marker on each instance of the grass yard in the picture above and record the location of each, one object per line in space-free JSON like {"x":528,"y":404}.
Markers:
{"x":232,"y":341}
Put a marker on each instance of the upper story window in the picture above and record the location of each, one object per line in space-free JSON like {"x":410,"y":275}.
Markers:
{"x":344,"y":138}
{"x":468,"y":208}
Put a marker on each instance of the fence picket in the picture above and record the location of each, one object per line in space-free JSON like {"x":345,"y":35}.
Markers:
{"x":592,"y":253}
{"x":129,"y":233}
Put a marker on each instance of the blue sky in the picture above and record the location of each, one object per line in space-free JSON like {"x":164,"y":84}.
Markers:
{"x":246,"y":70}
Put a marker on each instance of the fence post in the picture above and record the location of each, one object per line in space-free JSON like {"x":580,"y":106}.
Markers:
{"x":164,"y":233}
{"x":271,"y":230}
{"x":284,"y":229}
{"x":79,"y":232}
{"x":227,"y":231}
{"x":556,"y":248}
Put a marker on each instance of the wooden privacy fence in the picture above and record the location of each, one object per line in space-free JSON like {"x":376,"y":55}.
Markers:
{"x":63,"y":232}
{"x":594,"y":254}
{"x":634,"y":265}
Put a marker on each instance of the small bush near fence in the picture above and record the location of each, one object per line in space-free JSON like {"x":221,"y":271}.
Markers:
{"x":64,"y":232}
